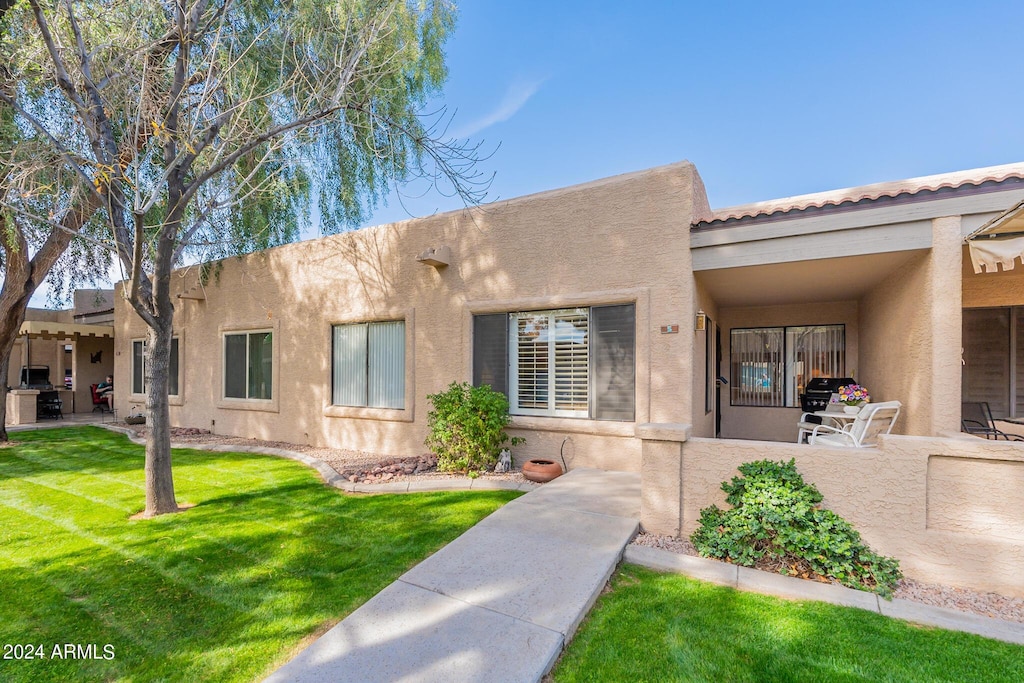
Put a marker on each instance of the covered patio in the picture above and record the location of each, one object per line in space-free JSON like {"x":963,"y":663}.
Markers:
{"x":871,"y":283}
{"x":57,"y":357}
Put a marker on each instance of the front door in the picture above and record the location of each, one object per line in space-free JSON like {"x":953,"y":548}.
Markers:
{"x":718,"y":381}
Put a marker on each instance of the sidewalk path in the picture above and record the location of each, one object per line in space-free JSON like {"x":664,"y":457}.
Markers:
{"x":496,"y":604}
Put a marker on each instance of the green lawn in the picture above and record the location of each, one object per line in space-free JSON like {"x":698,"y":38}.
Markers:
{"x":225,"y":591}
{"x":665,"y":627}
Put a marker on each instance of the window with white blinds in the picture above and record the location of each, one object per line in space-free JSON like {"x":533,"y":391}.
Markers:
{"x":772,"y":365}
{"x":813,"y":351}
{"x":570,"y":362}
{"x":369,"y":365}
{"x":549,"y":369}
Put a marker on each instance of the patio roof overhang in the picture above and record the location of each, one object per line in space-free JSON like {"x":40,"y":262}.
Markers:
{"x":36,"y":329}
{"x":999,"y":242}
{"x":811,"y":281}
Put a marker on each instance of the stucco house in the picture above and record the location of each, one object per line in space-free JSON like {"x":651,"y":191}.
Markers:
{"x":582,"y":305}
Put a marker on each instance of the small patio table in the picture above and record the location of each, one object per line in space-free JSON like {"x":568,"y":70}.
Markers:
{"x":841,"y":418}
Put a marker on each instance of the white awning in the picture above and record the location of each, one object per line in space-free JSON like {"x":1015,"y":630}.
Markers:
{"x":48,"y":330}
{"x":989,"y":254}
{"x":999,"y":242}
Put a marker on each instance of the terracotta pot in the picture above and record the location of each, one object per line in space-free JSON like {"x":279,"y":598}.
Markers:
{"x":541,"y":471}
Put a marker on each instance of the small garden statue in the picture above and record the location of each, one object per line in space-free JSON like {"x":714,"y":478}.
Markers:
{"x":504,"y":462}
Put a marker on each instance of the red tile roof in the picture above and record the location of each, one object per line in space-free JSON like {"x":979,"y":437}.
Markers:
{"x":868,"y":193}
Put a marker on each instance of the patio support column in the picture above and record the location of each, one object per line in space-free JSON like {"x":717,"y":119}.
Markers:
{"x":946,"y":323}
{"x":661,"y":477}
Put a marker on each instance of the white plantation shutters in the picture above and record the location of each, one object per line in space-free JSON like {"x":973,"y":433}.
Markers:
{"x":572,"y":362}
{"x":570,"y":344}
{"x":549,"y":371}
{"x":531,"y":367}
{"x":369,"y":365}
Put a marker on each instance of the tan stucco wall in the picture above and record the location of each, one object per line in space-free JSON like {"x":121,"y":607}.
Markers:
{"x":586,"y":245}
{"x":779,"y":424}
{"x":911,"y":331}
{"x":951,"y":510}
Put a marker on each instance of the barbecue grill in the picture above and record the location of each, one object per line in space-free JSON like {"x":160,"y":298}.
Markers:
{"x":819,"y":392}
{"x":36,"y":377}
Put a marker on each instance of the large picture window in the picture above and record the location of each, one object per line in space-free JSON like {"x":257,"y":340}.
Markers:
{"x":139,"y":383}
{"x":369,"y":365}
{"x":993,"y":370}
{"x":772,"y":365}
{"x":248,"y":365}
{"x":571,"y":362}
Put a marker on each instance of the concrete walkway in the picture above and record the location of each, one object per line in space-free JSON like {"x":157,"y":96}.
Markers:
{"x":496,"y":604}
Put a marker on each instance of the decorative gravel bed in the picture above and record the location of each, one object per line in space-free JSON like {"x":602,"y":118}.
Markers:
{"x":937,"y":595}
{"x":364,"y":466}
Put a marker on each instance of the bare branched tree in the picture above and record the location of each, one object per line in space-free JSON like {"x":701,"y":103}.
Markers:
{"x":205,"y":127}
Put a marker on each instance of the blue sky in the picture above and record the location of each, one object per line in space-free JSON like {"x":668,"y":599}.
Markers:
{"x":767,"y":99}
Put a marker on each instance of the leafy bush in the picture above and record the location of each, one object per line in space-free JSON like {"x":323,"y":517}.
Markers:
{"x":467,"y":427}
{"x":777,"y":524}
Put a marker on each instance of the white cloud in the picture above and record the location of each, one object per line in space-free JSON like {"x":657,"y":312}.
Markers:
{"x":516,"y":96}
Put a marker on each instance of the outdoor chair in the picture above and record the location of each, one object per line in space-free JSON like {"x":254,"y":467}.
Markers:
{"x":808,"y":421}
{"x":98,"y":402}
{"x":976,"y":418}
{"x":872,"y":420}
{"x":49,"y":405}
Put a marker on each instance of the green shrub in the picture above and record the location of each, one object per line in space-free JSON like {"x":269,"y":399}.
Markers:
{"x":467,"y":427}
{"x":776,"y":523}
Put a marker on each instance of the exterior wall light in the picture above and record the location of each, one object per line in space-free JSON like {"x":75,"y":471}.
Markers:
{"x":701,"y":323}
{"x":439,"y":257}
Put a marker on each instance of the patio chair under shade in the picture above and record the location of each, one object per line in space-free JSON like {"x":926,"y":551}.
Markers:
{"x":976,"y":419}
{"x":808,"y":421}
{"x":872,"y":420}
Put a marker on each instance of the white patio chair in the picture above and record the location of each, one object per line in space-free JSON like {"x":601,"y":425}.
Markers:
{"x":808,"y":421}
{"x":872,"y":420}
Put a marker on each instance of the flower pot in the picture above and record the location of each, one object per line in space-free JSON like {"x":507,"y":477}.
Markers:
{"x":541,"y":471}
{"x":851,"y":410}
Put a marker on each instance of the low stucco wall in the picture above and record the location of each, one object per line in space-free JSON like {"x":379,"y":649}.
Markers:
{"x":950,"y":509}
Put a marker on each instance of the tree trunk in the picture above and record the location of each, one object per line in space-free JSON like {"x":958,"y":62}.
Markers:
{"x":159,"y":478}
{"x":12,"y":315}
{"x":6,"y":347}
